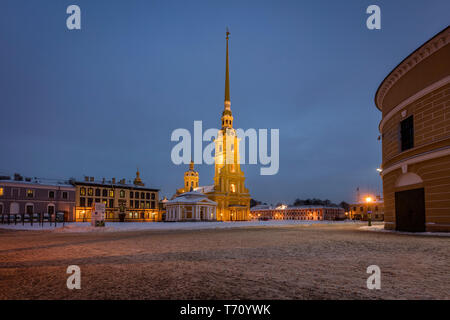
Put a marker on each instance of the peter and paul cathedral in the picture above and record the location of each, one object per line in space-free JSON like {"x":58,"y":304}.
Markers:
{"x":228,"y":191}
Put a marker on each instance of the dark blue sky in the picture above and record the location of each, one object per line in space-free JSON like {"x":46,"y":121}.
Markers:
{"x":105,"y":99}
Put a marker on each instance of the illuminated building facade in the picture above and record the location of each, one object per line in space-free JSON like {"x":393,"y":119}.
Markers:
{"x":415,"y":129}
{"x":297,"y":213}
{"x":360,"y":210}
{"x":33,"y":197}
{"x":123,"y":201}
{"x":190,"y":206}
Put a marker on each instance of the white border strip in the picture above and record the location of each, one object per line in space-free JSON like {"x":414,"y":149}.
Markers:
{"x":423,"y":157}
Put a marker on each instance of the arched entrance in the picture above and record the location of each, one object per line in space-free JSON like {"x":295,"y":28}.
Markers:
{"x":410,"y":204}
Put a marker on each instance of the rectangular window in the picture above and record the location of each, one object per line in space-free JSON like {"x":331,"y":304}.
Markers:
{"x":131,"y":194}
{"x":104,"y":193}
{"x":136,"y":204}
{"x":147,"y":196}
{"x":407,"y":133}
{"x":82,"y":191}
{"x":89,"y":202}
{"x":153,"y":196}
{"x":111,"y":193}
{"x":153,"y":204}
{"x":97,"y":192}
{"x":51,"y":194}
{"x":111,"y":203}
{"x":147,"y":204}
{"x":30,"y":193}
{"x":64,"y":195}
{"x":90,"y":192}
{"x":136,"y":195}
{"x":122,"y":193}
{"x":97,"y":200}
{"x":131,"y":203}
{"x":82,"y":202}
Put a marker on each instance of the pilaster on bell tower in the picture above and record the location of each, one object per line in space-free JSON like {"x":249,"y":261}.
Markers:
{"x":227,"y":117}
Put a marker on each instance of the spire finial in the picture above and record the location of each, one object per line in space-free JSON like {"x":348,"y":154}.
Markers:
{"x":137,"y":181}
{"x":227,"y":78}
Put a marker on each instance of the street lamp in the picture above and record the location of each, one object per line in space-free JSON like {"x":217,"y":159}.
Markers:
{"x":369,"y":212}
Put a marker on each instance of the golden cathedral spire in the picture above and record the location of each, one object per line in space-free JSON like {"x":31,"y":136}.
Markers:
{"x":227,"y":78}
{"x":227,"y":117}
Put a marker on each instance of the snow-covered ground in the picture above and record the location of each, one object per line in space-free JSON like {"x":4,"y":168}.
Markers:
{"x":135,"y":226}
{"x":380,"y":228}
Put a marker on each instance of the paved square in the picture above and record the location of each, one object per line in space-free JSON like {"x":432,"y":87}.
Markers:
{"x":318,"y":261}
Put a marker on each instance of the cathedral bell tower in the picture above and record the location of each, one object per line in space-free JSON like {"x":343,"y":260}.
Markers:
{"x":232,"y":197}
{"x":190,"y":178}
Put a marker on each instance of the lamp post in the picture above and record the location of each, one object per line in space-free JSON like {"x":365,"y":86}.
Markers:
{"x":369,"y":212}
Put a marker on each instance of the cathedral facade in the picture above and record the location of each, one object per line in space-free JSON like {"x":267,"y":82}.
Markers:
{"x":228,"y":190}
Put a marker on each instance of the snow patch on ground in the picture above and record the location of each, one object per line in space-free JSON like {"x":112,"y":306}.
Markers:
{"x":136,"y":226}
{"x":380,"y":228}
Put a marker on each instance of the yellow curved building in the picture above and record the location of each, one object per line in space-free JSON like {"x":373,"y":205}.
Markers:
{"x":415,"y":128}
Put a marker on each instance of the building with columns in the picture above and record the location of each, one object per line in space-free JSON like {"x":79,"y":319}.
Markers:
{"x":191,"y":206}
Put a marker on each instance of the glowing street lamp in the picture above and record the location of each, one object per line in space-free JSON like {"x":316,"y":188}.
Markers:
{"x":369,"y":212}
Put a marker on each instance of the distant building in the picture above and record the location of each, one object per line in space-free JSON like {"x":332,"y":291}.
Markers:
{"x":32,"y":196}
{"x":360,"y":210}
{"x":297,"y":213}
{"x":123,"y":201}
{"x":415,"y":129}
{"x":190,"y":206}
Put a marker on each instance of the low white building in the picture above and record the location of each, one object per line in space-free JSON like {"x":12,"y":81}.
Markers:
{"x":191,"y":206}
